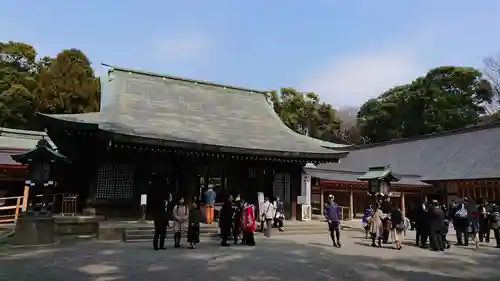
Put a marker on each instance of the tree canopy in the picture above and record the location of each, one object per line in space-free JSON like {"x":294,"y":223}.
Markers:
{"x":65,"y":84}
{"x":445,"y":98}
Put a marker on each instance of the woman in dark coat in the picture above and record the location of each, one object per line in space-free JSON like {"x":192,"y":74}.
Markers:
{"x":195,"y":217}
{"x":225,"y":221}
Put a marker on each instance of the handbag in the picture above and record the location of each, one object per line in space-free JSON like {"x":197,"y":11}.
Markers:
{"x":263,"y":218}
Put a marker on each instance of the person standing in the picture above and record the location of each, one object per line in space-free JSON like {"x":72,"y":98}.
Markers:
{"x":237,"y":218}
{"x":210,"y":197}
{"x":495,"y":222}
{"x":267,"y":216}
{"x":332,"y":215}
{"x":484,"y":224}
{"x":367,"y":220}
{"x":195,"y":217}
{"x":248,"y":221}
{"x":280,"y":216}
{"x":225,"y":221}
{"x":160,"y":223}
{"x":422,"y":224}
{"x":436,"y":225}
{"x":461,"y":220}
{"x":181,"y":217}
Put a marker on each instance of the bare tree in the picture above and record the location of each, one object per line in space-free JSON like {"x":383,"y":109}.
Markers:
{"x":492,"y":72}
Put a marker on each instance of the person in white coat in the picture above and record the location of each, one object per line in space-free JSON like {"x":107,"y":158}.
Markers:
{"x":268,"y":214}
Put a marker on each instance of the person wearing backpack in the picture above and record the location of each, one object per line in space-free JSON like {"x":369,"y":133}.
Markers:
{"x":461,"y":220}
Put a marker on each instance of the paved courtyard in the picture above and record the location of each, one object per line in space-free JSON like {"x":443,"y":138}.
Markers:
{"x":308,"y":257}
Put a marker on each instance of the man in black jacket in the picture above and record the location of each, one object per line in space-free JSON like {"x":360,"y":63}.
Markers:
{"x":422,"y":224}
{"x":436,"y":225}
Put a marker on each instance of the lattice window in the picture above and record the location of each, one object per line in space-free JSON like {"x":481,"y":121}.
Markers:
{"x":115,"y":181}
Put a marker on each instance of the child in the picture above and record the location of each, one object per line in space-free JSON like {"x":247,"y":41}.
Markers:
{"x":195,"y":217}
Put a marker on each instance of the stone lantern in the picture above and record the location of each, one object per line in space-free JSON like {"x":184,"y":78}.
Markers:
{"x":379,"y":180}
{"x":36,"y":225}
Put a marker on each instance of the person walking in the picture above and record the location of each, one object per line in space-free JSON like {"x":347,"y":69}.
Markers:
{"x":332,"y":215}
{"x":398,"y":227}
{"x":210,"y":195}
{"x":377,"y":225}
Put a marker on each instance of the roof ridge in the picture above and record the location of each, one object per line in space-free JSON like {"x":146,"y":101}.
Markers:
{"x":428,"y":136}
{"x":4,"y":130}
{"x":323,"y":170}
{"x":202,"y":82}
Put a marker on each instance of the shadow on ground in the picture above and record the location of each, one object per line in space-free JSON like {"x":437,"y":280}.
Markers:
{"x":270,"y":260}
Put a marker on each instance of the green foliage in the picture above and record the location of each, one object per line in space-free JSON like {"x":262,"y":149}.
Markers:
{"x":446,"y":98}
{"x":305,"y":113}
{"x":65,"y":84}
{"x":68,"y":84}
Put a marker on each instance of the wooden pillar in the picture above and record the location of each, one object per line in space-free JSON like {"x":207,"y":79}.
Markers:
{"x":26,"y":195}
{"x":403,"y":207}
{"x":351,"y":204}
{"x":321,"y":200}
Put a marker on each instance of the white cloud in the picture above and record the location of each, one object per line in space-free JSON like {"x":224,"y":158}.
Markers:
{"x":183,"y":48}
{"x":349,"y":80}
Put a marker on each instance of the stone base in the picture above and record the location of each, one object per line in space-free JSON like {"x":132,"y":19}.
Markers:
{"x":306,"y":212}
{"x":34,"y":230}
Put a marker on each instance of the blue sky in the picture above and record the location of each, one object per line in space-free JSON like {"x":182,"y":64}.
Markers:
{"x":347,"y":51}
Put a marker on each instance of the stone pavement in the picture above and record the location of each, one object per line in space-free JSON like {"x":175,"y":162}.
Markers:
{"x":307,"y":257}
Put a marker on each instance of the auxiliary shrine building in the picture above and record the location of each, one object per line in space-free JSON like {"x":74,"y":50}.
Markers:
{"x":448,"y":166}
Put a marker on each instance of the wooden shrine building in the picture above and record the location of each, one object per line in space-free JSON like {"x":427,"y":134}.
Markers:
{"x":156,"y":134}
{"x":448,"y":166}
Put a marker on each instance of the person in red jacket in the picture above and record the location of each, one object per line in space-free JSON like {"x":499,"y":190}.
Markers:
{"x":248,"y":221}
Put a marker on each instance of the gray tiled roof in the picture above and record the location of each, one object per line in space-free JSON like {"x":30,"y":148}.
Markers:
{"x":472,"y":153}
{"x":13,"y":141}
{"x":353,"y":176}
{"x":20,"y":139}
{"x":187,"y":111}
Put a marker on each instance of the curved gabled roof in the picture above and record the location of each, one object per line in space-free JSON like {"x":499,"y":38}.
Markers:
{"x":165,"y":108}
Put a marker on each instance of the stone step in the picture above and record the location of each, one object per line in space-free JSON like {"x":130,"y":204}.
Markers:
{"x":138,"y":235}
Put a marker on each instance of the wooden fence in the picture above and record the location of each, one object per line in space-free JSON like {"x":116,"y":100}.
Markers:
{"x":11,"y":208}
{"x":64,"y":204}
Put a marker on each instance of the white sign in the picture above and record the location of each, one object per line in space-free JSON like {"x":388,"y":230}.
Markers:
{"x":144,"y":199}
{"x":395,"y":194}
{"x":302,"y":200}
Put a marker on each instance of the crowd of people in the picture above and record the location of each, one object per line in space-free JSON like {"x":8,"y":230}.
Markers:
{"x":431,"y":221}
{"x":471,"y":221}
{"x":236,"y":220}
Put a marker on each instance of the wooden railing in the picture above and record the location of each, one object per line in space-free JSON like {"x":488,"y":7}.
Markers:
{"x":64,"y":204}
{"x":10,"y":213}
